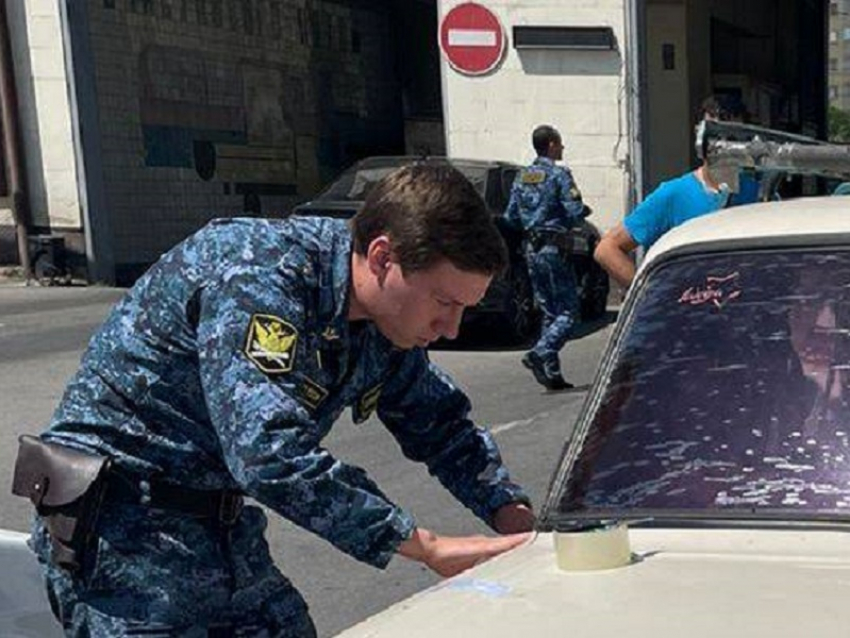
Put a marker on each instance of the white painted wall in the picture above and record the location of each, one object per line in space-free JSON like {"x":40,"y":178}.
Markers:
{"x":581,"y":93}
{"x":45,"y":120}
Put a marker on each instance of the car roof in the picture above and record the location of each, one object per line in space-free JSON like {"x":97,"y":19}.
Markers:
{"x":808,"y":221}
{"x":401,"y":160}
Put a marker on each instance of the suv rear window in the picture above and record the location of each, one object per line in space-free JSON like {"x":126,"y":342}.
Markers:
{"x":356,"y":182}
{"x":728,"y":392}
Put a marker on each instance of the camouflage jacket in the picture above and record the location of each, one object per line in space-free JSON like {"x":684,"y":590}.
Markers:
{"x":230,"y":360}
{"x":544,"y":196}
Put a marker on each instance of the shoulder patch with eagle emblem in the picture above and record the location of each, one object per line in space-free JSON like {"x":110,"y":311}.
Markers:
{"x":270,"y":344}
{"x":532,"y":176}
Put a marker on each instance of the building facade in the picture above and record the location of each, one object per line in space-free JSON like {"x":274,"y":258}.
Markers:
{"x":143,"y":119}
{"x":839,"y":54}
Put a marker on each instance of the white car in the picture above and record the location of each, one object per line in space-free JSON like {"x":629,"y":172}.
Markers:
{"x":719,"y":428}
{"x":24,"y":610}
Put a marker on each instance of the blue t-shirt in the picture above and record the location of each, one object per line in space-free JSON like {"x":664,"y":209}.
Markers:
{"x":673,"y":203}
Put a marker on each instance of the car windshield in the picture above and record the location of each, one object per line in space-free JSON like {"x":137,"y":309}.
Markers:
{"x":356,"y":182}
{"x":726,"y":395}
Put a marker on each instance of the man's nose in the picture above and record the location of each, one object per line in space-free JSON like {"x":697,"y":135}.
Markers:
{"x":449,"y":326}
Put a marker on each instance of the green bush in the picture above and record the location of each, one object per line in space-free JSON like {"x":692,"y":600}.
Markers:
{"x":839,"y":125}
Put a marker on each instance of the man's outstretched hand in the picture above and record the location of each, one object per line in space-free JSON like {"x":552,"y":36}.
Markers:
{"x":451,"y":555}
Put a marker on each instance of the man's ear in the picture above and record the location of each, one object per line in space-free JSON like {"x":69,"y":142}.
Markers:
{"x":379,"y":256}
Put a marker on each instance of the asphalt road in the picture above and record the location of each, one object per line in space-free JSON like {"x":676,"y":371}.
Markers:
{"x":43,"y":332}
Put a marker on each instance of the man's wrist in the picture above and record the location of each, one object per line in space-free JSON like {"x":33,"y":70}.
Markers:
{"x":418,"y":545}
{"x":401,"y":526}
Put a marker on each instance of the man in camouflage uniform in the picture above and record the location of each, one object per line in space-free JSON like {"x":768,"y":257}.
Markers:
{"x":545,"y":203}
{"x":221,"y":372}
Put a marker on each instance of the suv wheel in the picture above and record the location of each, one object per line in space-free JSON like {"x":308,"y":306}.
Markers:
{"x":521,"y":320}
{"x":593,"y":290}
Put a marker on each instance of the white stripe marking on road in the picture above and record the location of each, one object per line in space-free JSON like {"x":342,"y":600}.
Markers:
{"x":510,"y":425}
{"x":471,"y":38}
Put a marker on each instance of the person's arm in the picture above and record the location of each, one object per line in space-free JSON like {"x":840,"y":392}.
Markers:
{"x":570,"y":196}
{"x":428,"y":416}
{"x":270,"y":442}
{"x":613,"y":253}
{"x":510,"y":217}
{"x":647,"y":222}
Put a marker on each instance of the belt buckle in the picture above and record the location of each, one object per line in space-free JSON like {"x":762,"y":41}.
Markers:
{"x":229,"y":508}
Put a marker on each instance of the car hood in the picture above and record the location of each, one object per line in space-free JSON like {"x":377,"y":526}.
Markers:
{"x":694,"y":583}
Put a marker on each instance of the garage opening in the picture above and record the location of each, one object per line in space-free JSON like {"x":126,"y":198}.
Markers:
{"x":418,"y":68}
{"x":767,"y":55}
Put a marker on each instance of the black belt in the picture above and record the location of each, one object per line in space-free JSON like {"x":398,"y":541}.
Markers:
{"x":560,"y":239}
{"x":223,"y":506}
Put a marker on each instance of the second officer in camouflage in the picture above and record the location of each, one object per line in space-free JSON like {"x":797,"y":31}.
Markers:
{"x":221,"y":372}
{"x":545,"y":203}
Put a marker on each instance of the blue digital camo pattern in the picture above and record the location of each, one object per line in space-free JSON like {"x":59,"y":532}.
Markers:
{"x":157,"y":574}
{"x":170,"y":389}
{"x":554,"y":284}
{"x":544,"y":197}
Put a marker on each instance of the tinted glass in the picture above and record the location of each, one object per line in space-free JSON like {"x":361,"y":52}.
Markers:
{"x":728,"y":393}
{"x":354,"y":184}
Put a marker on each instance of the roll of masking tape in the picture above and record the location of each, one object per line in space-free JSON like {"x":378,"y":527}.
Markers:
{"x":603,"y":547}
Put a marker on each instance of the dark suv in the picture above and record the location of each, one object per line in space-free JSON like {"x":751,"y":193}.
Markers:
{"x":508,"y":306}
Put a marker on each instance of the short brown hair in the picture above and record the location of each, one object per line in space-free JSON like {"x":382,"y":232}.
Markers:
{"x":431,"y":212}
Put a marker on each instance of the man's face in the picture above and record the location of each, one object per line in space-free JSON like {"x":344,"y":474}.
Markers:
{"x":813,"y":320}
{"x":556,"y":150}
{"x":419,"y":308}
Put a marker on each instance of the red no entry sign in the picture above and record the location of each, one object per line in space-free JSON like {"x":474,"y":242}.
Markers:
{"x":472,"y":39}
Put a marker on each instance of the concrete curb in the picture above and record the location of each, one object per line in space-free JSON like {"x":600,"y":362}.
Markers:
{"x":12,"y":275}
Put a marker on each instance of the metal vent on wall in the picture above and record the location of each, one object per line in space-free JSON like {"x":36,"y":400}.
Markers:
{"x":583,"y":38}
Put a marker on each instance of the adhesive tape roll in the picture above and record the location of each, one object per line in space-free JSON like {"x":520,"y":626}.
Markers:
{"x":604,"y":547}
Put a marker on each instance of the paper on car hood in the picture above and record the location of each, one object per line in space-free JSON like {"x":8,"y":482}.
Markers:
{"x":694,"y":583}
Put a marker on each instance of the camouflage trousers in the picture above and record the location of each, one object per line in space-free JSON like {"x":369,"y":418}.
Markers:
{"x":554,"y":284}
{"x":153,"y":573}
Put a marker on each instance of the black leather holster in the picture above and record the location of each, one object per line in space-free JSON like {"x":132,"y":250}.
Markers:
{"x":563,"y":241}
{"x":67,"y":488}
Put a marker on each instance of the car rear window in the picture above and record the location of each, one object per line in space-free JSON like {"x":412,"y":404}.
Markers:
{"x":356,"y":182}
{"x":727,"y":392}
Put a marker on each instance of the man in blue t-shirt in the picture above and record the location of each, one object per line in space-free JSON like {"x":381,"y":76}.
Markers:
{"x":674,"y":202}
{"x":671,"y":204}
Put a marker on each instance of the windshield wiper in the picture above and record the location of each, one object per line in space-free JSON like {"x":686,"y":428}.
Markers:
{"x":774,"y":519}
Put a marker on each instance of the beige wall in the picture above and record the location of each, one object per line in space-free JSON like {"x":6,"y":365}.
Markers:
{"x":579,"y":92}
{"x":44,"y":113}
{"x":699,"y":54}
{"x":668,"y":105}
